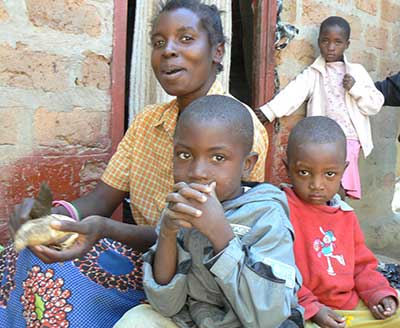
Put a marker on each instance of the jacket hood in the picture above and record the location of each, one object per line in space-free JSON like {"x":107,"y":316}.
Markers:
{"x":261,"y":193}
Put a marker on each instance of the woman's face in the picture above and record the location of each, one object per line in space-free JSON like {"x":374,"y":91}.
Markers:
{"x":182,"y":58}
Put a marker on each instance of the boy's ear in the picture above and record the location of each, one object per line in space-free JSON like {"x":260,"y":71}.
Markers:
{"x":219,"y":53}
{"x":348,"y":44}
{"x":249,"y":163}
{"x":285,"y":163}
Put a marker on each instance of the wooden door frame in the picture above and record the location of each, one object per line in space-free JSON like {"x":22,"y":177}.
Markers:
{"x":264,"y":65}
{"x":118,"y":73}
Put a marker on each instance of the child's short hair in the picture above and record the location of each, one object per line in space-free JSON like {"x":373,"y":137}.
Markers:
{"x":225,"y":110}
{"x":317,"y":130}
{"x":336,"y":21}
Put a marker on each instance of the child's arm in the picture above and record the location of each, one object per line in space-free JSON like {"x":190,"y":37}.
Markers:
{"x":369,"y":99}
{"x":212,"y":223}
{"x":257,"y":273}
{"x":164,"y":265}
{"x":290,"y":98}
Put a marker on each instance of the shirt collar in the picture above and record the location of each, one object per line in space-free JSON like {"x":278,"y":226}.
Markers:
{"x":169,"y":116}
{"x":319,"y":63}
{"x":335,"y":202}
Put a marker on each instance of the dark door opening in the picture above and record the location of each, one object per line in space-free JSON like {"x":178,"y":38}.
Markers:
{"x":241,"y":51}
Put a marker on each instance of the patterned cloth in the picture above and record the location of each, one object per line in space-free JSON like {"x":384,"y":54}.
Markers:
{"x":93,"y":292}
{"x":361,"y":317}
{"x":142,"y":163}
{"x":336,"y":108}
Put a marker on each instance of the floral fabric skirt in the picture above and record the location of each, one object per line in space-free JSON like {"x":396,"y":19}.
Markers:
{"x":91,"y":292}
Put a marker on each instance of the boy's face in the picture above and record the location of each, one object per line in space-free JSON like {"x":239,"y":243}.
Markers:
{"x":315,"y":171}
{"x":332,"y":43}
{"x":208,"y":151}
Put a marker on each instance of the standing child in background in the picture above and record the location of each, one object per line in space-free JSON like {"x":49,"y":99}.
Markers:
{"x":224,"y":256}
{"x":341,"y":286}
{"x":337,"y":89}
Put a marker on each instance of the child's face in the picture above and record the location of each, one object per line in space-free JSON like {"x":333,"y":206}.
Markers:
{"x":332,"y":43}
{"x":315,"y":171}
{"x":208,"y":151}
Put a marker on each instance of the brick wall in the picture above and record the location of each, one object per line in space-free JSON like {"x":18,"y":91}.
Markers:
{"x":55,"y":104}
{"x":375,"y":43}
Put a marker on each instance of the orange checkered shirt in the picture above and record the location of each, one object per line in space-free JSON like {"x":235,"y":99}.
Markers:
{"x":142,"y":164}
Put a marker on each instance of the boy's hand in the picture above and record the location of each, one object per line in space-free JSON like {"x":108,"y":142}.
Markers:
{"x":327,"y":318}
{"x":196,"y":205}
{"x":182,"y":206}
{"x":348,"y":81}
{"x":212,"y":223}
{"x":386,"y":307}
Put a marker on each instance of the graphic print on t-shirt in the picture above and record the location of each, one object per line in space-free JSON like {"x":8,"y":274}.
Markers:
{"x":325,"y":247}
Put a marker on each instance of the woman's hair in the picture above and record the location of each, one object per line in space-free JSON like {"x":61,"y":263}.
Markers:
{"x":336,"y":21}
{"x":209,"y":15}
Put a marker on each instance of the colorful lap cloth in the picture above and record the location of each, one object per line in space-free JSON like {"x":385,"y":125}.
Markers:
{"x":351,"y":177}
{"x":361,"y":317}
{"x":93,"y":292}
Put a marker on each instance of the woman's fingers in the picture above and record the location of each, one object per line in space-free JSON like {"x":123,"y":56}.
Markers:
{"x":20,"y":215}
{"x":49,"y":255}
{"x":68,"y":226}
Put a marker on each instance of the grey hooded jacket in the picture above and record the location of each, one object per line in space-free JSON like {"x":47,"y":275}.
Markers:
{"x":251,"y":283}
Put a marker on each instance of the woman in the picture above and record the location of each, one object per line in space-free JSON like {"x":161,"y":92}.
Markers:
{"x":188,"y":47}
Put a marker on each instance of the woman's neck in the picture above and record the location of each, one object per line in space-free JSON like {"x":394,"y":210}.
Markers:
{"x":184,"y":101}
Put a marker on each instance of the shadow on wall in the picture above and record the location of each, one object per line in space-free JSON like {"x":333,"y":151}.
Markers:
{"x":380,"y":224}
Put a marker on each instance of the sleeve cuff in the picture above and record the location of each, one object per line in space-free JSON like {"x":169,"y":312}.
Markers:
{"x":226,"y":261}
{"x":266,"y":110}
{"x":311,"y":309}
{"x":375,"y":299}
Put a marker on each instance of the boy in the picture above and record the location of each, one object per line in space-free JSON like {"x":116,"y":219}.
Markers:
{"x":224,"y":256}
{"x":338,"y":269}
{"x":338,"y":89}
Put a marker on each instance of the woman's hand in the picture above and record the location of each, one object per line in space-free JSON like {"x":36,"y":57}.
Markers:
{"x":21,"y":214}
{"x":386,"y":307}
{"x":90,"y":230}
{"x":327,"y":318}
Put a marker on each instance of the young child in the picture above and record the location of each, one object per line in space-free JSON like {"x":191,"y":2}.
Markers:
{"x":337,"y":89}
{"x":341,"y":286}
{"x":224,"y":256}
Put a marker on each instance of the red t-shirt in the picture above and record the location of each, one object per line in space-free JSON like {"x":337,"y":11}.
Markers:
{"x":337,"y":267}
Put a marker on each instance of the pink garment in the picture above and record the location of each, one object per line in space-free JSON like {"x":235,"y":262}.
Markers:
{"x":336,"y":108}
{"x":351,"y":177}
